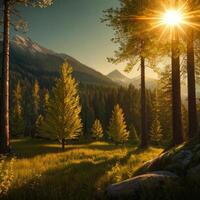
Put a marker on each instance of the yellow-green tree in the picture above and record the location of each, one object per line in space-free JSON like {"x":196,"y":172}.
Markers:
{"x":97,"y":130}
{"x":62,"y":120}
{"x":118,"y":129}
{"x":17,"y":120}
{"x":36,"y":107}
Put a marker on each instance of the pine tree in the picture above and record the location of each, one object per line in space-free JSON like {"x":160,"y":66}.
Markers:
{"x":62,"y":120}
{"x":35,"y":107}
{"x":17,"y":120}
{"x":44,"y":101}
{"x":38,"y":125}
{"x":8,"y":10}
{"x":164,"y":105}
{"x":156,"y":132}
{"x":44,"y":105}
{"x":36,"y":97}
{"x":156,"y":128}
{"x":130,"y":30}
{"x":118,"y":129}
{"x":97,"y":130}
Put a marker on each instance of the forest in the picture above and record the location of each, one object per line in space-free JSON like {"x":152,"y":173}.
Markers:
{"x":68,"y":131}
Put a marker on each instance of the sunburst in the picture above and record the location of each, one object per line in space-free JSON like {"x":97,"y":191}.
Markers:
{"x":170,"y":17}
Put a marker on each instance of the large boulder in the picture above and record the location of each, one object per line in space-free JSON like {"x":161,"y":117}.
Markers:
{"x":180,"y":166}
{"x":194,"y":173}
{"x":140,"y":186}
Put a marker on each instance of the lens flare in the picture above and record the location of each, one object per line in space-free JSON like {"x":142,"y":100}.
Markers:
{"x":166,"y":18}
{"x":172,"y":18}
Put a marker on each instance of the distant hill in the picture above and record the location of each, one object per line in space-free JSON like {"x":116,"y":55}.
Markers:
{"x":121,"y":79}
{"x":31,"y":61}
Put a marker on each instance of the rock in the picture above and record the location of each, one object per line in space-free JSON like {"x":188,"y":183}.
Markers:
{"x":180,"y":162}
{"x":197,"y":148}
{"x":194,"y":173}
{"x":133,"y":188}
{"x":183,"y":157}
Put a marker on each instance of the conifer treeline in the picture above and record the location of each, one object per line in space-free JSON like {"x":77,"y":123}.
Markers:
{"x":97,"y":103}
{"x":30,"y":103}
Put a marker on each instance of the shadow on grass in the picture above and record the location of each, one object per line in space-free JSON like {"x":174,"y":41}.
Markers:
{"x":29,"y":148}
{"x":75,"y":181}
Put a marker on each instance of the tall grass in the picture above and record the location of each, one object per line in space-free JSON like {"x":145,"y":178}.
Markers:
{"x":82,"y":171}
{"x":6,"y":174}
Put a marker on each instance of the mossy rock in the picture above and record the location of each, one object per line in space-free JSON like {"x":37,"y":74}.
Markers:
{"x":182,"y":162}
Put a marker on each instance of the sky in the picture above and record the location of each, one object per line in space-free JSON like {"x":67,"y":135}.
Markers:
{"x":73,"y":27}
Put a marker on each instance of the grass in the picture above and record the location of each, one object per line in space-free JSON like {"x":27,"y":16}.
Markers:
{"x":81,"y":172}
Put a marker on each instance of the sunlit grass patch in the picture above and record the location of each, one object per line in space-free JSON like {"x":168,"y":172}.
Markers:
{"x":43,"y":171}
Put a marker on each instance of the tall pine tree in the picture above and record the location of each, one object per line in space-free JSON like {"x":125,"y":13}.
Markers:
{"x":8,"y":10}
{"x":62,"y":120}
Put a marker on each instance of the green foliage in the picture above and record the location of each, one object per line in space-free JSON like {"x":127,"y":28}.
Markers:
{"x":36,"y":98}
{"x":17,"y":120}
{"x":163,"y":105}
{"x":130,"y":30}
{"x":34,"y":3}
{"x":156,"y":132}
{"x":34,"y":107}
{"x":44,"y":101}
{"x":39,"y":123}
{"x":97,"y":130}
{"x":62,"y":120}
{"x":118,"y":129}
{"x":18,"y":21}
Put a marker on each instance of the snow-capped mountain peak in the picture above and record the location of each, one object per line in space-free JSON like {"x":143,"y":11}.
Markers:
{"x":28,"y":44}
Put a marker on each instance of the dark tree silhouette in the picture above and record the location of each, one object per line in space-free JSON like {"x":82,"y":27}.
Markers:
{"x":192,"y":108}
{"x":176,"y":91}
{"x":4,"y":108}
{"x":8,"y":9}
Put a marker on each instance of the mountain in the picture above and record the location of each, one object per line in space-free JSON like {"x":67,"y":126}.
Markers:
{"x":31,"y":61}
{"x":119,"y":78}
{"x":122,"y":80}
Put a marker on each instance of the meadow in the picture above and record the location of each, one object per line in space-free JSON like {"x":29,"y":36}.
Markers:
{"x":41,"y":170}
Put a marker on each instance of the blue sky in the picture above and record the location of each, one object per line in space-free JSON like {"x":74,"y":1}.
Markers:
{"x":73,"y":27}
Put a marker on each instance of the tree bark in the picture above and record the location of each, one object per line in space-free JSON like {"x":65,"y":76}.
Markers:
{"x":144,"y":142}
{"x":176,"y":91}
{"x":192,"y":108}
{"x":5,"y":75}
{"x":63,"y":144}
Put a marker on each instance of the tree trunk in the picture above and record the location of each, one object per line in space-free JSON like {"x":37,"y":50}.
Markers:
{"x":144,"y":138}
{"x":176,"y":92}
{"x":4,"y":103}
{"x":192,"y":108}
{"x":63,"y":144}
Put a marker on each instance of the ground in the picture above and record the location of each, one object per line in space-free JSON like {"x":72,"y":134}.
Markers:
{"x":42,"y":171}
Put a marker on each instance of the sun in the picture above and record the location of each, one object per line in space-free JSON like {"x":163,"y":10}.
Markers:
{"x":172,"y":17}
{"x":166,"y":19}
